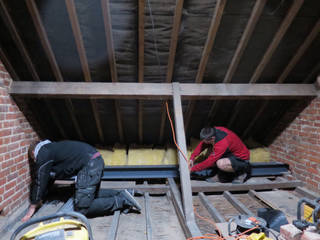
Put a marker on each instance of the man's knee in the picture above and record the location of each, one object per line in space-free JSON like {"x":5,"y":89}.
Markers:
{"x":224,"y":164}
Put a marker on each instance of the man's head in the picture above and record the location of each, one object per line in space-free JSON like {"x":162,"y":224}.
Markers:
{"x":31,"y":149}
{"x":208,"y":135}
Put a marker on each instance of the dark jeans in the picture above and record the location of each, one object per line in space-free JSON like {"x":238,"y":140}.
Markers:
{"x":89,"y":200}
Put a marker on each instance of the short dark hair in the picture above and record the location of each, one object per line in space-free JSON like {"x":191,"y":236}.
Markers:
{"x":31,"y":148}
{"x":207,"y":132}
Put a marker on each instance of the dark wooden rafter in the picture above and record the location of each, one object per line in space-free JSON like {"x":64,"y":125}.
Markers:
{"x":214,"y":26}
{"x":26,"y":57}
{"x":141,"y":4}
{"x":313,"y":74}
{"x":83,"y":59}
{"x":112,"y":60}
{"x":252,"y":22}
{"x":171,"y":60}
{"x":294,"y":9}
{"x":294,"y":60}
{"x":33,"y":10}
{"x":8,"y":65}
{"x":191,"y":91}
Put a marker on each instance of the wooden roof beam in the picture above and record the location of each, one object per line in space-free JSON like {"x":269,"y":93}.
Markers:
{"x":112,"y":60}
{"x":141,"y":4}
{"x":214,"y":26}
{"x":33,"y":10}
{"x":252,"y":22}
{"x":294,"y":9}
{"x":151,"y":91}
{"x":171,"y":60}
{"x":83,"y":59}
{"x":26,"y":57}
{"x":294,"y":60}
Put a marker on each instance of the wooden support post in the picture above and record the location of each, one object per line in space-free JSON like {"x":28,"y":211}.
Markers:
{"x":183,"y":165}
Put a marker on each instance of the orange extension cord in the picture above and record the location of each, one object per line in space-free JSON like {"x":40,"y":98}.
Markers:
{"x":208,"y":235}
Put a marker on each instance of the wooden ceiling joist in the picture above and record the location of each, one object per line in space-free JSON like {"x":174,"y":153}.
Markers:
{"x":141,"y":4}
{"x":294,"y":60}
{"x":214,"y":26}
{"x":112,"y":60}
{"x":171,"y":60}
{"x":83,"y":59}
{"x":152,"y":91}
{"x":33,"y":10}
{"x":27,"y":59}
{"x":294,"y":9}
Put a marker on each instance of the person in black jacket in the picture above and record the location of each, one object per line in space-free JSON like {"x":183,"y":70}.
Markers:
{"x":65,"y":159}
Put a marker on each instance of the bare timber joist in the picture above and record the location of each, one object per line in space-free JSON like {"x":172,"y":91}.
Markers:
{"x":160,"y":90}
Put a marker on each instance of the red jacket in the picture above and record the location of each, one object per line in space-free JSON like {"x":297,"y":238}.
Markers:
{"x":226,"y":143}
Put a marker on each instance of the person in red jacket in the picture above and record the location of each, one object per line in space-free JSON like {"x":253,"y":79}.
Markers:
{"x":227,"y":156}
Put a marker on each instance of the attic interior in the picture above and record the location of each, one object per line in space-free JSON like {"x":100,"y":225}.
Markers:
{"x":102,"y":71}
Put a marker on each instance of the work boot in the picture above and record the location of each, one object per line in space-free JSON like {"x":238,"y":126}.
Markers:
{"x":239,"y":179}
{"x":129,"y":200}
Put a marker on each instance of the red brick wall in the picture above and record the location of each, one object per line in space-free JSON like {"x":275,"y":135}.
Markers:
{"x":15,"y":137}
{"x":299,"y":146}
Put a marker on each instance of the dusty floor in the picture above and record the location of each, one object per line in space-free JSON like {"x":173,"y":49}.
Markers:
{"x":164,"y":223}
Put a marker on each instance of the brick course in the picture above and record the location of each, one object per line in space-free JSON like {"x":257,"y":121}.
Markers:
{"x":299,"y":146}
{"x":15,"y":135}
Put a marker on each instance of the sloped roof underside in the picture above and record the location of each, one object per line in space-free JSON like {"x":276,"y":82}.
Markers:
{"x":119,"y":119}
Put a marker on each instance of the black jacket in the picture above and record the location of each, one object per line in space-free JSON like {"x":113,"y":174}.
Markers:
{"x":65,"y":159}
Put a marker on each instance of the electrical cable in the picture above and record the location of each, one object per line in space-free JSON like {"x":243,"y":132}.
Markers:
{"x":208,"y":235}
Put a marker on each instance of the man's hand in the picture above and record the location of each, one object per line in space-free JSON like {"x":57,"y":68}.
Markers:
{"x":191,"y":162}
{"x":30,"y":212}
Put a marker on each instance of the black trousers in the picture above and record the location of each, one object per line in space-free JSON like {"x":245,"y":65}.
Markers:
{"x":88,"y":199}
{"x":239,"y":166}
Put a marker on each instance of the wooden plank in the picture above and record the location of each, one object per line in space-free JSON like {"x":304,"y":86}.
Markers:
{"x":26,"y":57}
{"x":33,"y":10}
{"x":300,"y":52}
{"x":221,"y":187}
{"x":112,"y":60}
{"x":183,"y":165}
{"x":294,"y":9}
{"x":109,"y":39}
{"x":153,"y":188}
{"x":162,"y":123}
{"x":307,"y":193}
{"x":214,"y":213}
{"x":237,"y":204}
{"x":83,"y":59}
{"x":112,"y":234}
{"x":119,"y":120}
{"x":255,"y":15}
{"x":294,"y":60}
{"x":171,"y":60}
{"x":148,"y":217}
{"x":280,"y":200}
{"x":140,"y":120}
{"x":141,"y":4}
{"x":245,"y":91}
{"x":8,"y":65}
{"x":190,"y":228}
{"x":312,"y":75}
{"x":18,"y":41}
{"x":215,"y":22}
{"x":161,"y":90}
